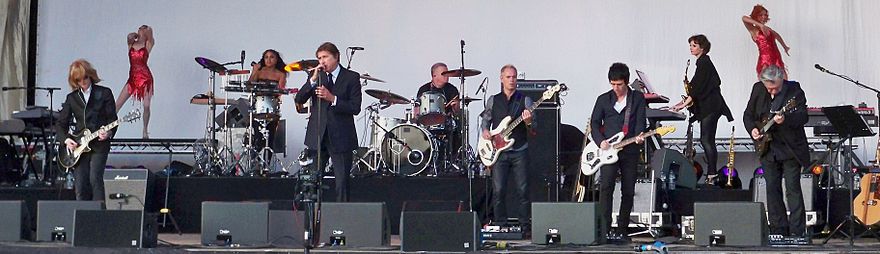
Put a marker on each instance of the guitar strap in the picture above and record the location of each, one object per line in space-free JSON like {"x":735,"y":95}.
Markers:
{"x":628,"y":111}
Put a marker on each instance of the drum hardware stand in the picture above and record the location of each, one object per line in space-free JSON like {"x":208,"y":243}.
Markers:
{"x":375,"y":145}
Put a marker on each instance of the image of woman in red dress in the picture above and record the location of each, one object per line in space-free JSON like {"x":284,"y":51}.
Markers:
{"x":765,"y":38}
{"x":140,"y":78}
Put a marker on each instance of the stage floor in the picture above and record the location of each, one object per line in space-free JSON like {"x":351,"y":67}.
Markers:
{"x":173,"y":243}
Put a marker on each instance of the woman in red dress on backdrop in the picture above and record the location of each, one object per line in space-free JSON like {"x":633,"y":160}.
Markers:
{"x":140,"y":78}
{"x":765,"y":38}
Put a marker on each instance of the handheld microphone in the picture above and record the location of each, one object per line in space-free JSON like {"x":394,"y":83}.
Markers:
{"x":820,"y":68}
{"x":462,"y":43}
{"x":482,"y":86}
{"x":118,"y":196}
{"x":356,"y":48}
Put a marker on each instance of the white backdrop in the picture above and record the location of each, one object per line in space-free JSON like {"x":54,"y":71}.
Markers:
{"x":571,"y":41}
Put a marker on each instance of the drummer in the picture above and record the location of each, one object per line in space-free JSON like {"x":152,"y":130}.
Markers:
{"x":270,"y":68}
{"x":440,"y":83}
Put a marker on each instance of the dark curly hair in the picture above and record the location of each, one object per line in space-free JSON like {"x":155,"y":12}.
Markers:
{"x":279,"y":65}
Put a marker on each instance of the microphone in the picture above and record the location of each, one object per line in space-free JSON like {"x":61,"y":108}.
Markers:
{"x":820,"y":68}
{"x":356,"y":48}
{"x":482,"y":86}
{"x":118,"y":196}
{"x":462,"y":43}
{"x":242,"y":58}
{"x":13,"y":88}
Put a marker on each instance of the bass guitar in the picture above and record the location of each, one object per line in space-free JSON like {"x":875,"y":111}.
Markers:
{"x":68,"y":158}
{"x":730,"y":178}
{"x":594,"y":157}
{"x":764,"y":125}
{"x":499,"y":138}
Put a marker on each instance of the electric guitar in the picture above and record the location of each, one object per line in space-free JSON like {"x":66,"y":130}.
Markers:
{"x":764,"y":125}
{"x":594,"y":157}
{"x":690,"y":152}
{"x":499,"y":138}
{"x":866,"y":205}
{"x":68,"y":158}
{"x":579,"y":189}
{"x":730,"y":179}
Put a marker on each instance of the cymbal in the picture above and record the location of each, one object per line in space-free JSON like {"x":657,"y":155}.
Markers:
{"x":466,"y":99}
{"x":387,"y":96}
{"x":461,"y":73}
{"x":371,"y":78}
{"x":210,"y":65}
{"x":301,"y":65}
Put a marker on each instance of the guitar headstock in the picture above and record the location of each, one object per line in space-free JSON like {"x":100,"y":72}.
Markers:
{"x":663,"y":130}
{"x":790,"y":106}
{"x":132,"y":116}
{"x":553,"y":90}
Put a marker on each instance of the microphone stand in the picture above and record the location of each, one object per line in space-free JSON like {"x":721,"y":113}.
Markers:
{"x":465,"y":163}
{"x":350,"y":56}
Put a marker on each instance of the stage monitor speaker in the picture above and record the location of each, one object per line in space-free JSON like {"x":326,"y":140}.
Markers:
{"x":642,"y":201}
{"x":13,"y":218}
{"x":115,"y":229}
{"x":808,"y":190}
{"x":55,"y":218}
{"x":439,"y":231}
{"x":730,"y":223}
{"x":668,"y":160}
{"x":575,"y":223}
{"x":355,"y":224}
{"x":243,"y":223}
{"x":128,"y":189}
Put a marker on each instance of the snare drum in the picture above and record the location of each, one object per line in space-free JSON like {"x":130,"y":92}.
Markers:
{"x":411,"y":152}
{"x":432,"y":109}
{"x":267,"y":107}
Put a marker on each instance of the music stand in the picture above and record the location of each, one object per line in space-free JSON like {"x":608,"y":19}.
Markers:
{"x":848,"y":124}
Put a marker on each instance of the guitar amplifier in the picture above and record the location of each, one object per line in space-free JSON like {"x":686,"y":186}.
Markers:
{"x":129,"y":189}
{"x":808,"y":190}
{"x":535,"y":89}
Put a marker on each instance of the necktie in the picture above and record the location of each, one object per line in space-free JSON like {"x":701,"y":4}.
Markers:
{"x":329,"y":80}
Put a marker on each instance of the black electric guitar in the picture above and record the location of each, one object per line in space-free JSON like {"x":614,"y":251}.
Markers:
{"x":764,"y":125}
{"x":68,"y":158}
{"x":729,"y":177}
{"x":690,"y":152}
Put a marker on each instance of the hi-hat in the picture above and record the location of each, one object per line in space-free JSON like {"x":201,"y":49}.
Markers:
{"x":387,"y":96}
{"x":301,"y":65}
{"x":371,"y":78}
{"x":461,"y":73}
{"x":210,"y":65}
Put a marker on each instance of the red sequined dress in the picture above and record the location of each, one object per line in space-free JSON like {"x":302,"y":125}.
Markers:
{"x":768,"y":53}
{"x":140,"y":78}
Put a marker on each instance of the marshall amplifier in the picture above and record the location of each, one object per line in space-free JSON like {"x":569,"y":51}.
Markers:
{"x":128,"y":189}
{"x":535,"y":89}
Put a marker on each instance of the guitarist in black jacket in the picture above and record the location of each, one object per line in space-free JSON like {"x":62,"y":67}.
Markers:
{"x":620,"y":110}
{"x":788,"y":152}
{"x":87,"y":106}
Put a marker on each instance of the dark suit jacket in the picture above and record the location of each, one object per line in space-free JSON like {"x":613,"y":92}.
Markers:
{"x":791,"y":131}
{"x":338,"y":119}
{"x":706,"y":91}
{"x":100,"y":111}
{"x":606,"y":121}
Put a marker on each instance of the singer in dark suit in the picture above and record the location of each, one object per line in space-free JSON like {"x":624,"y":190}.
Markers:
{"x":336,"y":99}
{"x":788,"y":152}
{"x":87,"y":106}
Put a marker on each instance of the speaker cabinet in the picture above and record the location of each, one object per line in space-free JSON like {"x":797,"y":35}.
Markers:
{"x":739,"y":223}
{"x":115,"y":229}
{"x":575,"y":223}
{"x":808,"y":190}
{"x":128,"y":189}
{"x":55,"y":218}
{"x":243,"y":223}
{"x":439,"y":231}
{"x":13,"y":225}
{"x":355,"y":224}
{"x":670,"y":162}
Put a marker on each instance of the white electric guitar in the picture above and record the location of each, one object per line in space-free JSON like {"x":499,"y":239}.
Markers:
{"x":594,"y":157}
{"x":499,"y":138}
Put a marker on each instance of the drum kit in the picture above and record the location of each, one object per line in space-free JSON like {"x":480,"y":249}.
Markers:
{"x":425,"y":144}
{"x":247,"y":126}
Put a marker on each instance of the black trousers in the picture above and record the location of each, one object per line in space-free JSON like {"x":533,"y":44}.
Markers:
{"x":89,"y":176}
{"x":708,"y":127}
{"x":774,"y":172}
{"x":626,"y":169}
{"x":341,"y":168}
{"x":511,"y":164}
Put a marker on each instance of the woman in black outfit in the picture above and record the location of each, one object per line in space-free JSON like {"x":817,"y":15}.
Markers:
{"x":708,"y":104}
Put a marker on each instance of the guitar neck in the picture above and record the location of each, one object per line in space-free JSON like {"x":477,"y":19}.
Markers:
{"x":631,"y":140}
{"x":107,"y":127}
{"x":519,"y":119}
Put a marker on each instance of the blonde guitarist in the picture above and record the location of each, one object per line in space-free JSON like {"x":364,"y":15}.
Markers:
{"x":620,"y":110}
{"x":514,"y":161}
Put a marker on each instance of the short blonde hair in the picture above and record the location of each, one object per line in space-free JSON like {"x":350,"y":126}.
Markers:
{"x":79,"y":69}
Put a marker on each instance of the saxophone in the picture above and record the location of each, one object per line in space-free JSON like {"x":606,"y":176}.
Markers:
{"x":730,"y":167}
{"x":687,"y":89}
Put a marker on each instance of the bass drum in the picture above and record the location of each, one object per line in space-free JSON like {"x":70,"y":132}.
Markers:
{"x":411,"y":152}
